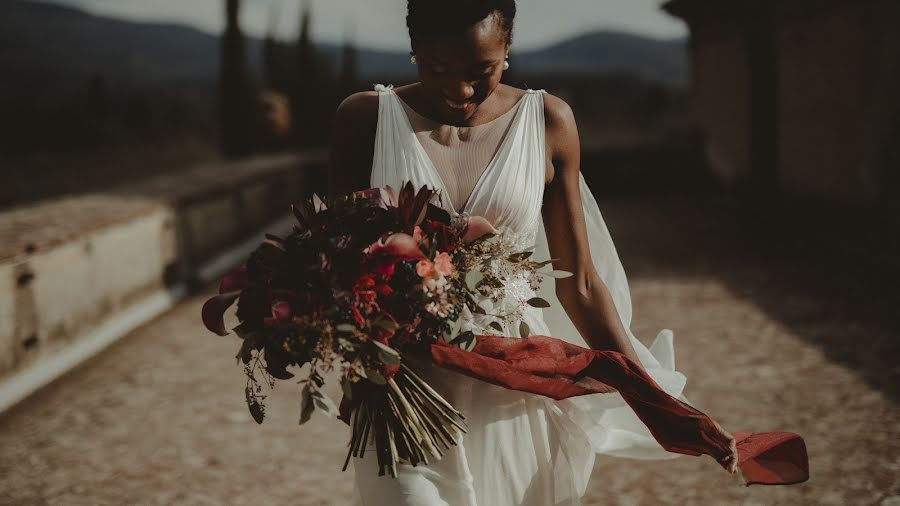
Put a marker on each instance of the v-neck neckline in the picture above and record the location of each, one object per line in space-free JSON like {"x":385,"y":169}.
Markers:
{"x":434,"y":172}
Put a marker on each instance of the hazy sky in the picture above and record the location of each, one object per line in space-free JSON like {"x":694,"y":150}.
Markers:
{"x":380,"y":23}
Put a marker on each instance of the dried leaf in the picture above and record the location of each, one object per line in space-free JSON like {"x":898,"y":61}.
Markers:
{"x":518,"y":257}
{"x":257,"y":410}
{"x":537,"y":302}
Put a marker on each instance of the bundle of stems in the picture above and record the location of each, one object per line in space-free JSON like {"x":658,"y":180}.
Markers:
{"x":406,"y":419}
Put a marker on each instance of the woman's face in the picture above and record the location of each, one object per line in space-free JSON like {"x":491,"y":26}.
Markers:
{"x":458,"y":73}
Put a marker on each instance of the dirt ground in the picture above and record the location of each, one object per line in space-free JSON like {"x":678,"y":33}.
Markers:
{"x":771,"y":330}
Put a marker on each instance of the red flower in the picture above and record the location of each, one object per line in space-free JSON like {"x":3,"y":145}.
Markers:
{"x":360,"y":321}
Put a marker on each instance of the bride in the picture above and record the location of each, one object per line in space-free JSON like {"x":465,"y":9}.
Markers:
{"x":512,"y":156}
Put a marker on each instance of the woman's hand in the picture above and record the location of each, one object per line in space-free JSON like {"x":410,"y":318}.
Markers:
{"x":729,"y":462}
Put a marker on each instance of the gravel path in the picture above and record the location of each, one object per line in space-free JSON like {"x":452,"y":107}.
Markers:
{"x":160,"y":418}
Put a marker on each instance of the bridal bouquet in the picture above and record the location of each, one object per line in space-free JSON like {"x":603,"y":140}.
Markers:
{"x":361,"y":282}
{"x":370,"y":279}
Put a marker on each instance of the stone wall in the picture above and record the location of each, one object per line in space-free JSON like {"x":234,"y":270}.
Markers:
{"x":838,"y":86}
{"x":719,"y":98}
{"x":799,"y":95}
{"x":69,"y":265}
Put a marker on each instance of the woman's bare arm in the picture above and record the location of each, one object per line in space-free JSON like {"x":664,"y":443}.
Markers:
{"x":353,"y":143}
{"x":583,"y":295}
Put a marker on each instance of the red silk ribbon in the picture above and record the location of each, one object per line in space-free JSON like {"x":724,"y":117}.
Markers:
{"x":554,"y":368}
{"x":547,"y":366}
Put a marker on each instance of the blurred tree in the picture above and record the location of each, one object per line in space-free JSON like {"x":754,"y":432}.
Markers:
{"x":236,"y":96}
{"x":306,"y":76}
{"x":349,"y":74}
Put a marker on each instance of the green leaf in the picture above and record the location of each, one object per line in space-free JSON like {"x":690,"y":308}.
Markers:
{"x":497,"y":326}
{"x":325,"y":404}
{"x":463,"y":338}
{"x":555,"y":274}
{"x":537,"y":302}
{"x":523,"y":329}
{"x":375,"y":376}
{"x":477,"y":309}
{"x":385,"y":323}
{"x":246,"y":352}
{"x":243,"y":331}
{"x":473,"y":277}
{"x":386,"y":354}
{"x":307,"y":405}
{"x":347,"y":387}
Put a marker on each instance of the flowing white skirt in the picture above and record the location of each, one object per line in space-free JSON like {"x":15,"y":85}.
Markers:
{"x":521,"y":449}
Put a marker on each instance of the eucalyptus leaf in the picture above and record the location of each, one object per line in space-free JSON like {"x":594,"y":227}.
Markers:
{"x":325,"y":404}
{"x":523,"y":329}
{"x":477,"y":309}
{"x":473,"y":277}
{"x":497,"y":326}
{"x":555,"y":274}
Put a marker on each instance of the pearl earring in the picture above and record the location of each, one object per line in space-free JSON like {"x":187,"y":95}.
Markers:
{"x":506,"y":65}
{"x":412,"y":58}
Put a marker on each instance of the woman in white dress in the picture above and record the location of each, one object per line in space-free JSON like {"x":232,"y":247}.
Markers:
{"x":520,"y":449}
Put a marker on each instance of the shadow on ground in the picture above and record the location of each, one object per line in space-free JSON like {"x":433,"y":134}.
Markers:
{"x":822,"y":270}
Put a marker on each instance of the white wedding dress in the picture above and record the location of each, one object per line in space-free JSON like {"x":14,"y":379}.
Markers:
{"x":521,"y":449}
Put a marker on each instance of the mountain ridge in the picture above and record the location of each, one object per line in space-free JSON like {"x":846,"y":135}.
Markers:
{"x":45,"y":41}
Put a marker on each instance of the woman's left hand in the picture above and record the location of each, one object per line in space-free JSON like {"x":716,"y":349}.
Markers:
{"x":729,"y":462}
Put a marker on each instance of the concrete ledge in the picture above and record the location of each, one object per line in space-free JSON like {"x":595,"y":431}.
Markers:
{"x":79,"y":272}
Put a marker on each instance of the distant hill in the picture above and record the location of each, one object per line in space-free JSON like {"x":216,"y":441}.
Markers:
{"x":44,"y":41}
{"x":40,"y":41}
{"x":610,"y":52}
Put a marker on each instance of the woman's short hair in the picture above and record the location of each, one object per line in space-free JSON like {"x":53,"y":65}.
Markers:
{"x":428,"y":19}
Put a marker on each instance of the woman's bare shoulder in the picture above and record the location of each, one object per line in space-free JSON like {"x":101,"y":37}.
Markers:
{"x":352,"y":142}
{"x":557,"y":112}
{"x":362,"y":105}
{"x":561,"y":135}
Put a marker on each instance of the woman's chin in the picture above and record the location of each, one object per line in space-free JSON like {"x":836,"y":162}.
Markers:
{"x":460,"y":114}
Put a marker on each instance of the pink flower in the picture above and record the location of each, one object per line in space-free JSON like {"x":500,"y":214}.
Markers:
{"x":424,"y":268}
{"x":399,"y":245}
{"x":443,"y":264}
{"x":477,"y":227}
{"x":418,"y":235}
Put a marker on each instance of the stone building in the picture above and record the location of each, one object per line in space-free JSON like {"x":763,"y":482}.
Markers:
{"x":800,"y":95}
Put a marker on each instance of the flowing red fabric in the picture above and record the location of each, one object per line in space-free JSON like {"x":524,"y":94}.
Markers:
{"x":554,"y":368}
